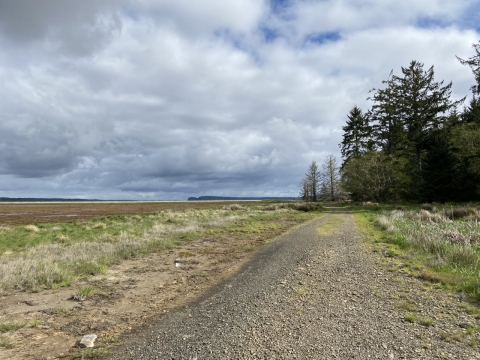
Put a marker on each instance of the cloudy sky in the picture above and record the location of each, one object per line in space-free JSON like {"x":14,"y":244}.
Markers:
{"x":165,"y":99}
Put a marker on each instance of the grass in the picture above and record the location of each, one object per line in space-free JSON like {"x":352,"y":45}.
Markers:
{"x":59,"y":310}
{"x":300,"y":291}
{"x":11,"y":326}
{"x":331,"y":224}
{"x":86,"y":291}
{"x":58,"y":253}
{"x":407,"y":306}
{"x":426,"y":321}
{"x":6,"y":343}
{"x":411,"y":318}
{"x":437,"y":244}
{"x":35,"y":323}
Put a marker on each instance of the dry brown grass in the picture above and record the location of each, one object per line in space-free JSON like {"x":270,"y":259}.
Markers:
{"x":32,"y":228}
{"x":59,"y":262}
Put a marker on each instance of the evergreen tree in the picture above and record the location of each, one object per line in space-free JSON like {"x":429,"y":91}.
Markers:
{"x":423,"y":106}
{"x":439,"y":173}
{"x":388,"y":133}
{"x":471,"y":114}
{"x":356,"y":134}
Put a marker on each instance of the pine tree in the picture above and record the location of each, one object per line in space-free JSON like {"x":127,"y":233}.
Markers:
{"x":423,"y":106}
{"x":387,"y":129}
{"x":471,"y":114}
{"x":356,"y":134}
{"x":439,"y":173}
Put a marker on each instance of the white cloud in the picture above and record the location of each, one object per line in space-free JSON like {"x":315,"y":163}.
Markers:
{"x":164,"y":105}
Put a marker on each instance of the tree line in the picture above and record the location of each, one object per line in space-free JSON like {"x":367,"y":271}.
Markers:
{"x":322,"y":184}
{"x":414,"y":143}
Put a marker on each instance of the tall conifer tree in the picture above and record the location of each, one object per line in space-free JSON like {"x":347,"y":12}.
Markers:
{"x":356,"y":134}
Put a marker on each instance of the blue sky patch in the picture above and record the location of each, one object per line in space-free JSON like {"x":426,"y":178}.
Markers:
{"x":278,"y":5}
{"x":428,"y":23}
{"x":269,"y":35}
{"x":321,"y":38}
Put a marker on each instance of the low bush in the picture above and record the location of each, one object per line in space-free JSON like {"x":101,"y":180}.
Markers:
{"x":455,"y":213}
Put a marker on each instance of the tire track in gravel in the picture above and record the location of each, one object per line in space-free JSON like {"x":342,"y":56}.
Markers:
{"x":304,"y":296}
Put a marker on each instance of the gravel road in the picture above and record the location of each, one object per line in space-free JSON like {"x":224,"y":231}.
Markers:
{"x":311,"y":296}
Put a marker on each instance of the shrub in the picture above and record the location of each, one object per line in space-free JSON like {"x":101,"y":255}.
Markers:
{"x":233,"y":207}
{"x":307,"y":206}
{"x":459,"y":212}
{"x":426,"y":206}
{"x":427,"y":216}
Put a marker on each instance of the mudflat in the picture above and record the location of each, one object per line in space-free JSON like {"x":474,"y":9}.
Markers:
{"x":21,"y":213}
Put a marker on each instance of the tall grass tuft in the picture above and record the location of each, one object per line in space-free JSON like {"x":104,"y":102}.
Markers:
{"x":32,"y":228}
{"x":450,"y":238}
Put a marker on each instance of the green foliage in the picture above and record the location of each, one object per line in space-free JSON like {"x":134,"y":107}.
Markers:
{"x":411,"y":318}
{"x":438,"y":173}
{"x":356,"y":134}
{"x":433,"y":150}
{"x":374,"y":176}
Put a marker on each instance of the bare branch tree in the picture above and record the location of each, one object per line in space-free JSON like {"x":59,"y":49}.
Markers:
{"x":310,"y":183}
{"x":330,"y":179}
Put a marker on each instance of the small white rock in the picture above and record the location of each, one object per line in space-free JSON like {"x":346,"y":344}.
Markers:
{"x":88,"y":340}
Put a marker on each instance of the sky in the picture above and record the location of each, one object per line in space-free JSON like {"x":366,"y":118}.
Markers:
{"x":166,"y":99}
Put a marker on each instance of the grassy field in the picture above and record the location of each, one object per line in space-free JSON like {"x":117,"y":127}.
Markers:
{"x":50,"y":255}
{"x":440,"y":244}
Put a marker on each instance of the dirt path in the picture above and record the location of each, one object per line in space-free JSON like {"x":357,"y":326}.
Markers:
{"x":315,"y":293}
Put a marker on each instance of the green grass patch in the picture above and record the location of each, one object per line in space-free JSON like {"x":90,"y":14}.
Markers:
{"x":411,"y":318}
{"x":405,"y":305}
{"x":86,"y":291}
{"x":426,"y":321}
{"x":331,"y":224}
{"x":11,"y":326}
{"x":440,"y":245}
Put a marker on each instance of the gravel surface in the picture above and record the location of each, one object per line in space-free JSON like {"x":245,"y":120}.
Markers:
{"x":311,"y":296}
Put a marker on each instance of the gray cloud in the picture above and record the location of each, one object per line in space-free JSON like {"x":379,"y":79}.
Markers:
{"x":76,"y":28}
{"x":140,"y":99}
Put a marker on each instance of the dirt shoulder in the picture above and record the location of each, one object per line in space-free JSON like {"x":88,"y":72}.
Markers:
{"x":124,"y":298}
{"x":315,"y":295}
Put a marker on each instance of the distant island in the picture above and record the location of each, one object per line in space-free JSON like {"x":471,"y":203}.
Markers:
{"x":207,"y":198}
